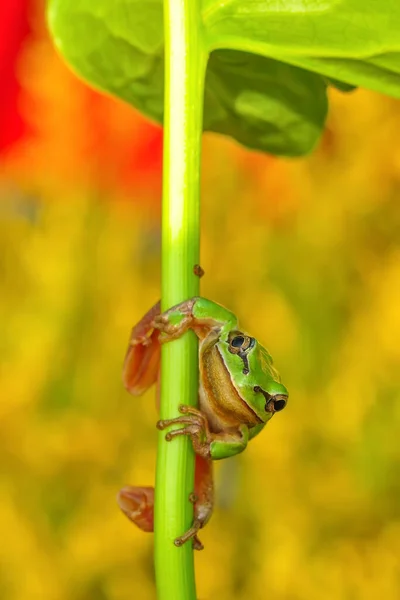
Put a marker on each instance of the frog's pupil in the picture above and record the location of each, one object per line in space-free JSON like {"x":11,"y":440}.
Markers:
{"x":238,"y":341}
{"x":279,"y":405}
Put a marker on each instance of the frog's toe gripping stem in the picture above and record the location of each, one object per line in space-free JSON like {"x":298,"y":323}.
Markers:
{"x":206,"y":444}
{"x":195,"y":426}
{"x":197,"y":545}
{"x":170,"y":330}
{"x":191,"y":534}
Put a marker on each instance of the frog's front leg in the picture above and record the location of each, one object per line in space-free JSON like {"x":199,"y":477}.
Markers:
{"x":207,"y":444}
{"x":199,"y":314}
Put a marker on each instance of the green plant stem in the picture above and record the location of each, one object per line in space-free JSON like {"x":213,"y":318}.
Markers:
{"x":185,"y":63}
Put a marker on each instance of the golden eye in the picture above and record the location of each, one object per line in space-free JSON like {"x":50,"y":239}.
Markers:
{"x":239,"y":343}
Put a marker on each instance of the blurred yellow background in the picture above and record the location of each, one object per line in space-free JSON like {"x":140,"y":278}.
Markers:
{"x":305,"y":252}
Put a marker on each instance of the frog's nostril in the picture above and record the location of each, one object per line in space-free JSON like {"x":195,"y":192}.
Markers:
{"x":279,"y":405}
{"x":274,"y":403}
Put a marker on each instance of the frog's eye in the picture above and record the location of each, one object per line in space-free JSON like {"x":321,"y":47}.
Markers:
{"x":239,"y":343}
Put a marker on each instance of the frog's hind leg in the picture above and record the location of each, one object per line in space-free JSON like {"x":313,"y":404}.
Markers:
{"x":142,"y":360}
{"x":203,"y":502}
{"x":137,"y":503}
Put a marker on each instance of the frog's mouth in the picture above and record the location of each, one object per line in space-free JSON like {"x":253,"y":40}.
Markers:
{"x":274,"y":403}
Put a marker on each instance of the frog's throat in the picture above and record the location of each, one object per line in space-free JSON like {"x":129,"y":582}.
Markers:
{"x":223,"y":399}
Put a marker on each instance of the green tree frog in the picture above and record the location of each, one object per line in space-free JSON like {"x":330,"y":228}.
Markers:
{"x":239,"y":391}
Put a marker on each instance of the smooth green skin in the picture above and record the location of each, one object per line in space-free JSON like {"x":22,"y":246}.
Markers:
{"x":221,"y":324}
{"x":270,"y":61}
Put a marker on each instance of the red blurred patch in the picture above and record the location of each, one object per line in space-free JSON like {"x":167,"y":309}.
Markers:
{"x":146,"y":158}
{"x":14,"y":29}
{"x":108,"y":142}
{"x":129,"y":157}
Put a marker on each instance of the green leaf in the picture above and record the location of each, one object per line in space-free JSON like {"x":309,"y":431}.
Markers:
{"x":340,"y":85}
{"x":269,"y":66}
{"x":353,"y":41}
{"x":263,"y":103}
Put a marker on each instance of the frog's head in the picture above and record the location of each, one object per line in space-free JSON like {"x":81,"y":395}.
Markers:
{"x":253,"y":374}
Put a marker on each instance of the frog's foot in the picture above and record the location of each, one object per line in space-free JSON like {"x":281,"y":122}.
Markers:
{"x":141,"y":340}
{"x":174,"y":322}
{"x":191,"y":534}
{"x":195,"y":426}
{"x":171,"y":331}
{"x":137,"y":503}
{"x":197,"y":545}
{"x":142,"y":358}
{"x":200,"y":519}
